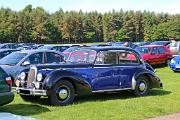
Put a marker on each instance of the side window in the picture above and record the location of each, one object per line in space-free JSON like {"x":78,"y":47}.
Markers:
{"x":64,"y":48}
{"x":55,"y":48}
{"x":161,"y":50}
{"x":106,"y":58}
{"x":5,"y":46}
{"x":127,"y":58}
{"x":53,"y":57}
{"x":35,"y":58}
{"x":154,"y":51}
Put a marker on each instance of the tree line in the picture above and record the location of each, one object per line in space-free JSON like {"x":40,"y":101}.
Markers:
{"x":37,"y":25}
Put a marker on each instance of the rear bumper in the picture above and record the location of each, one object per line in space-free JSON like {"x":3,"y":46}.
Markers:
{"x":6,"y":97}
{"x":26,"y":91}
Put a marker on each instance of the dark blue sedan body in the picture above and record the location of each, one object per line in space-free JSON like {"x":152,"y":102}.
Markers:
{"x":112,"y":69}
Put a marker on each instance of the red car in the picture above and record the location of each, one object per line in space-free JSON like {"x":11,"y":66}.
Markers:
{"x":156,"y":54}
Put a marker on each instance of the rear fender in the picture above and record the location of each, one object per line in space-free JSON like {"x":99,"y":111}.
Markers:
{"x":153,"y":79}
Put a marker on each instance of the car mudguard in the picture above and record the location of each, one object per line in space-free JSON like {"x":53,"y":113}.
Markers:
{"x":153,"y":79}
{"x":82,"y":87}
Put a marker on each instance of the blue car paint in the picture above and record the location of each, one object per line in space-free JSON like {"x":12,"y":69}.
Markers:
{"x":175,"y":66}
{"x":100,"y":78}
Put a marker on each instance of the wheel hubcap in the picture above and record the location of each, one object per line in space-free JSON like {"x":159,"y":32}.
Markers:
{"x":142,"y":86}
{"x":63,"y":94}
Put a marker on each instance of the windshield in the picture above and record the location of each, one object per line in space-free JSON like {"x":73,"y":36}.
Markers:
{"x":13,"y":58}
{"x":82,"y":55}
{"x":143,"y":50}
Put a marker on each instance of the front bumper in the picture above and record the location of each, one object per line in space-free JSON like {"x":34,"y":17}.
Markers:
{"x":29,"y":91}
{"x":175,"y":67}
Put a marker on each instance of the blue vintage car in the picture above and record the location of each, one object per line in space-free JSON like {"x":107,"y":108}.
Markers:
{"x":86,"y":71}
{"x":175,"y":63}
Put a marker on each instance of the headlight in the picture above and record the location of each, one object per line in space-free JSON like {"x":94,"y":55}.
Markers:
{"x":23,"y":76}
{"x":17,"y":83}
{"x":39,"y":77}
{"x":173,"y":61}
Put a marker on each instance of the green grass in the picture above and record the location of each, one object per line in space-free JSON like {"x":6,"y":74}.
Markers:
{"x":112,"y":106}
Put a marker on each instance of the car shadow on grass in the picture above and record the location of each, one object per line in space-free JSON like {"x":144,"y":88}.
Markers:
{"x":117,"y":95}
{"x":159,"y":92}
{"x":24,"y":109}
{"x":104,"y":97}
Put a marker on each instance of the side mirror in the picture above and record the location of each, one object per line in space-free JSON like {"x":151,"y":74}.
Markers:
{"x":26,"y":63}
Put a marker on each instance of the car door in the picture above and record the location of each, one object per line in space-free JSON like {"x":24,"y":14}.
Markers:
{"x":103,"y":71}
{"x":161,"y":55}
{"x":154,"y":56}
{"x":128,"y":64}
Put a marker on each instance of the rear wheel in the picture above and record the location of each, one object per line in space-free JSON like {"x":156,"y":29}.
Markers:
{"x":142,"y":86}
{"x":29,"y":97}
{"x":62,"y":93}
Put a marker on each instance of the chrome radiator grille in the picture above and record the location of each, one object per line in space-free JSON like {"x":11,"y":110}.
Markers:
{"x":31,"y":75}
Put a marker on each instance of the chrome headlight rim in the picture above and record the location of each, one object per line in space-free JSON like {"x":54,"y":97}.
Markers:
{"x":22,"y":75}
{"x":39,"y":77}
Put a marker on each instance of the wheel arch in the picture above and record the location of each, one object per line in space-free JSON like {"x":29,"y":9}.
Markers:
{"x":154,"y":81}
{"x":81,"y":86}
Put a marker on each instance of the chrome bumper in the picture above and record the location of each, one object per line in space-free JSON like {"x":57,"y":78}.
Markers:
{"x":26,"y":91}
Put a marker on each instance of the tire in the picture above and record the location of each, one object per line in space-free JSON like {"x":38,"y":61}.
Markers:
{"x":142,"y":86}
{"x":67,"y":93}
{"x":29,"y":97}
{"x":168,"y":61}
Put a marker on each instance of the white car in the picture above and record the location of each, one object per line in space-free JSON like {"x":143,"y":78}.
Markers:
{"x":175,"y":48}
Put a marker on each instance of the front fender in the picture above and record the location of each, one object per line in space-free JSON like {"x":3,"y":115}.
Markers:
{"x":153,"y":79}
{"x":82,"y":87}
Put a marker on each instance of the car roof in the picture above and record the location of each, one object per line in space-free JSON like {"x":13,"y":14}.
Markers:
{"x":36,"y":51}
{"x":1,"y":50}
{"x":105,"y":48}
{"x":149,"y":46}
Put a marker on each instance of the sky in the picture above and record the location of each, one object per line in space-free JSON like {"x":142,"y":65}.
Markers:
{"x":158,"y":6}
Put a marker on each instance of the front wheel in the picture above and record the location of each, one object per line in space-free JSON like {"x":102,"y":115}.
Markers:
{"x":62,"y":93}
{"x":142,"y":86}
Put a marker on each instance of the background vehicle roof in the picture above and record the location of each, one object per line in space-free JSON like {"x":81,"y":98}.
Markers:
{"x":152,"y":46}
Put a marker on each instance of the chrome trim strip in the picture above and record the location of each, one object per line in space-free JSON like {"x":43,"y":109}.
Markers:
{"x":133,"y":83}
{"x":111,"y":90}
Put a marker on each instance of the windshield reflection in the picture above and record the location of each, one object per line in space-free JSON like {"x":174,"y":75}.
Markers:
{"x":82,"y":56}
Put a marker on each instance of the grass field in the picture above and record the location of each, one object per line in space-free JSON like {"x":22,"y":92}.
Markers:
{"x":112,"y":106}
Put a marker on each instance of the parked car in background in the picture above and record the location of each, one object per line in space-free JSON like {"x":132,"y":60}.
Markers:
{"x":175,"y":63}
{"x":70,"y":50}
{"x":5,"y":52}
{"x":156,"y":54}
{"x":175,"y":48}
{"x":100,"y":45}
{"x":9,"y":46}
{"x":86,"y":71}
{"x":19,"y":60}
{"x":143,"y":43}
{"x":52,"y":47}
{"x":164,"y":43}
{"x":6,"y":95}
